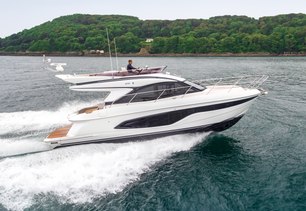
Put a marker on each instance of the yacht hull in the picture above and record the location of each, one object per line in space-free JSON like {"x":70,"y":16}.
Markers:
{"x":217,"y":127}
{"x":143,"y":121}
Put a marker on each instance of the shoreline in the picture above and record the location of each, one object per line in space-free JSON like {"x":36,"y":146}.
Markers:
{"x":82,"y":54}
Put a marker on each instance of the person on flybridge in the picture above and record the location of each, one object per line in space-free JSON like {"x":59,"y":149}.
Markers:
{"x":130,"y":67}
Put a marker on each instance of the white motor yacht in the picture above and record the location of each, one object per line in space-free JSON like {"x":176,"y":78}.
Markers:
{"x":146,"y":106}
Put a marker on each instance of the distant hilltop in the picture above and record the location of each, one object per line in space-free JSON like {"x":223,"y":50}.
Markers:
{"x":81,"y":34}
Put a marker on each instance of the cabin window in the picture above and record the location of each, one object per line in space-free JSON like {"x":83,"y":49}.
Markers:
{"x":153,"y":91}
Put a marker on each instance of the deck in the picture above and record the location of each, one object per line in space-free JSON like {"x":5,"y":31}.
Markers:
{"x":60,"y":132}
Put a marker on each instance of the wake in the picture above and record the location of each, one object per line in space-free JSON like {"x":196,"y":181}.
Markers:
{"x":11,"y":148}
{"x":23,"y":132}
{"x":77,"y":174}
{"x":80,"y":174}
{"x":25,"y":121}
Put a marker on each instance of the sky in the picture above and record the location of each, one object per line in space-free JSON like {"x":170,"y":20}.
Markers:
{"x":17,"y":15}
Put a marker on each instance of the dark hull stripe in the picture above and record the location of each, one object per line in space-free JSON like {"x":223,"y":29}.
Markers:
{"x":168,"y":118}
{"x":205,"y":128}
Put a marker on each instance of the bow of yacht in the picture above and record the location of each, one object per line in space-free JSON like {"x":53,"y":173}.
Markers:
{"x":141,"y":107}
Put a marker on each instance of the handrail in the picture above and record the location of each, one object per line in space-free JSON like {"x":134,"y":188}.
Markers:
{"x":160,"y":95}
{"x":227,"y":78}
{"x":235,"y":84}
{"x":215,"y":85}
{"x":187,"y":91}
{"x":257,"y":80}
{"x":132,"y":98}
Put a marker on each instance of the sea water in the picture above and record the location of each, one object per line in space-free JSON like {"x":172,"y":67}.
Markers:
{"x":260,"y":163}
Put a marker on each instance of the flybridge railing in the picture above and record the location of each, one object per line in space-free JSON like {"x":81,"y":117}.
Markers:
{"x":242,"y":81}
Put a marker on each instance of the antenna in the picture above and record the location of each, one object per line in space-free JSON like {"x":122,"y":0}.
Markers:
{"x":109,"y":50}
{"x":116,"y":54}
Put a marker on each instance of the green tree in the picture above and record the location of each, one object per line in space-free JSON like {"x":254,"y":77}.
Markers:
{"x":128,"y":43}
{"x":95,"y":43}
{"x":222,"y":34}
{"x":40,"y":45}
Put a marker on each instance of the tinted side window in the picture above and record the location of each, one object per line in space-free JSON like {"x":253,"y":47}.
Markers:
{"x":147,"y":93}
{"x":141,"y":94}
{"x":177,"y":88}
{"x":161,"y":90}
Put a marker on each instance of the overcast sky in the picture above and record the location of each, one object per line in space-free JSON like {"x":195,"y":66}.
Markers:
{"x":16,"y":15}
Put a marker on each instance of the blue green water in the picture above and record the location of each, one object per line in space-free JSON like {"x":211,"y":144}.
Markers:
{"x":258,"y":164}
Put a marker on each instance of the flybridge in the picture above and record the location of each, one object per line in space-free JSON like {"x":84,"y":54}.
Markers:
{"x":79,"y":79}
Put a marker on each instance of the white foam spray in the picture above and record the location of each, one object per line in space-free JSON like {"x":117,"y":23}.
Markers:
{"x":27,"y":129}
{"x":74,"y":174}
{"x":16,"y":147}
{"x":23,"y":121}
{"x":81,"y":173}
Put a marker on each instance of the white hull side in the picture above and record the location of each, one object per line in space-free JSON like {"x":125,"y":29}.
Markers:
{"x":191,"y":121}
{"x":102,"y":127}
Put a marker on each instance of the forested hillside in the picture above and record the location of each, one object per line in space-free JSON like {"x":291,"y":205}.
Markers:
{"x":225,"y":34}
